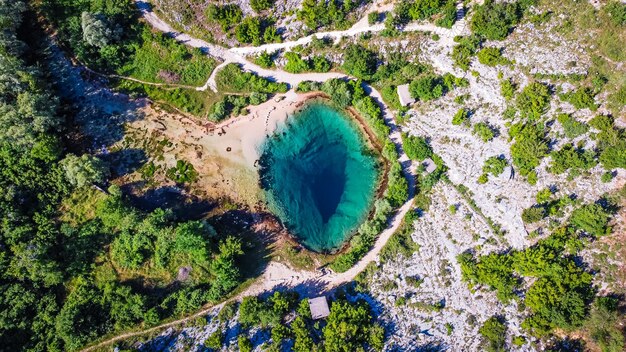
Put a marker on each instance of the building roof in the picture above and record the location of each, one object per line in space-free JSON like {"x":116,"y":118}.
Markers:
{"x":404,"y":95}
{"x":319,"y":307}
{"x":429,"y":165}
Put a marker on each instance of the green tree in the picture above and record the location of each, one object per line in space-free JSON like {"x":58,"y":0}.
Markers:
{"x":533,"y":100}
{"x":415,"y":147}
{"x":359,"y":61}
{"x":84,"y":170}
{"x":494,"y":332}
{"x":592,"y":219}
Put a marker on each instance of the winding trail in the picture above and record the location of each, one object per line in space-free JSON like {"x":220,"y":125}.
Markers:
{"x":277,"y":274}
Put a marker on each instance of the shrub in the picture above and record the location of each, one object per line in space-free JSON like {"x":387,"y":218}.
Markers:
{"x":260,"y":5}
{"x":461,"y":117}
{"x":359,"y":62}
{"x":495,"y":165}
{"x":571,"y":126}
{"x":228,"y":15}
{"x":484,"y":131}
{"x":533,"y":214}
{"x":491,"y":56}
{"x":373,"y":17}
{"x":244,"y":344}
{"x":494,"y":332}
{"x":581,"y":98}
{"x":592,"y":219}
{"x":264,"y":60}
{"x":529,"y":147}
{"x":569,"y":157}
{"x":295,"y":64}
{"x":427,"y":88}
{"x":507,"y":89}
{"x":214,"y":341}
{"x":533,"y":100}
{"x":494,"y":20}
{"x":462,"y":52}
{"x":415,"y":147}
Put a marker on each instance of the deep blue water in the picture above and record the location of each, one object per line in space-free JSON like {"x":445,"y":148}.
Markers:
{"x":318,"y":176}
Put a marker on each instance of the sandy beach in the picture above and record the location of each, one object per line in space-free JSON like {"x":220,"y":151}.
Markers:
{"x":224,"y":155}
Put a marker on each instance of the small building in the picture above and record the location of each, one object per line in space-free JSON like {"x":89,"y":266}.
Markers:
{"x":319,"y":307}
{"x":404,"y":95}
{"x":429,"y":165}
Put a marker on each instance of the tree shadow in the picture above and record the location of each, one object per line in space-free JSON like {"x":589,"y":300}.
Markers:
{"x":185,"y":206}
{"x":125,"y":161}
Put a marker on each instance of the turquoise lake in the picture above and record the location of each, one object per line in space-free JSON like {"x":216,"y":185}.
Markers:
{"x":319,"y":176}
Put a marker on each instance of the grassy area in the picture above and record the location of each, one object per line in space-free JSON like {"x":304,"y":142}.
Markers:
{"x":161,"y":59}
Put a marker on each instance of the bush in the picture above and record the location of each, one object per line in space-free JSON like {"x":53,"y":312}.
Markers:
{"x":494,"y":332}
{"x":581,"y":98}
{"x":295,"y":64}
{"x":373,"y":17}
{"x":592,"y":219}
{"x":233,"y":79}
{"x":244,"y":344}
{"x":415,"y":147}
{"x":491,"y":56}
{"x":261,"y":5}
{"x":462,"y":52}
{"x":265,"y":60}
{"x":533,"y":100}
{"x":215,"y":340}
{"x":494,"y":20}
{"x":507,"y":89}
{"x":461,"y":117}
{"x":229,"y":15}
{"x":427,"y":88}
{"x":359,"y":62}
{"x":571,"y":126}
{"x":495,"y":165}
{"x":484,"y":131}
{"x":569,"y":157}
{"x":529,"y":148}
{"x":533,"y":214}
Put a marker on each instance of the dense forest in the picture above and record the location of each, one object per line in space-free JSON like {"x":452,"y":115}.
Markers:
{"x":78,"y":263}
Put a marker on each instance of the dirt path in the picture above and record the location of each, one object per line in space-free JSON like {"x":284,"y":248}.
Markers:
{"x":276,"y":273}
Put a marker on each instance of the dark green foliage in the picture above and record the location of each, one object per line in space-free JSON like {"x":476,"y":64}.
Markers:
{"x":373,"y":17}
{"x":244,"y":344}
{"x":295,"y":64}
{"x":427,"y":88}
{"x":484,"y":131}
{"x":415,"y":147}
{"x":561,"y":293}
{"x":571,"y":126}
{"x":215,"y":340}
{"x":495,"y":165}
{"x":603,"y":325}
{"x":463,"y":52}
{"x":183,"y":172}
{"x":494,"y":333}
{"x":257,"y":31}
{"x":533,"y":100}
{"x":491,"y":56}
{"x":529,"y":148}
{"x":322,"y":13}
{"x":261,"y":5}
{"x":581,"y":98}
{"x":359,"y":62}
{"x":350,"y":327}
{"x":494,"y":20}
{"x":569,"y":157}
{"x":533,"y":214}
{"x":611,"y":142}
{"x":591,"y":218}
{"x":228,"y":16}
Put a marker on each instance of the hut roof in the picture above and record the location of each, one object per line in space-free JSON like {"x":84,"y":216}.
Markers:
{"x":319,"y":307}
{"x":404,"y":95}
